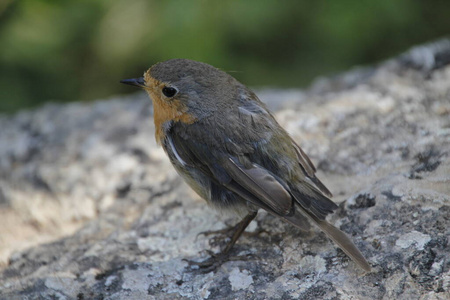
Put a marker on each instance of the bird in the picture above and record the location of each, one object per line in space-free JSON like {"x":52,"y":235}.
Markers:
{"x":228,"y":147}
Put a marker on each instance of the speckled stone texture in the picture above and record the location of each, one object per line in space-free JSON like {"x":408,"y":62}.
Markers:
{"x":91,"y":208}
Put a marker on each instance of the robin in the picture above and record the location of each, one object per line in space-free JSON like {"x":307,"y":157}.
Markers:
{"x":229,"y":148}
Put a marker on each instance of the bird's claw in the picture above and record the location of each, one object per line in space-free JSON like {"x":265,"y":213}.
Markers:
{"x":210,"y":264}
{"x":214,"y":261}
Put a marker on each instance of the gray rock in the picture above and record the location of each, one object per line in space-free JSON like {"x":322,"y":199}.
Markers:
{"x":92,"y":209}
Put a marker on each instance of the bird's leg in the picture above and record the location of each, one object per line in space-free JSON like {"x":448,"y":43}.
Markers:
{"x":239,"y":229}
{"x":230,"y":231}
{"x":217,"y":259}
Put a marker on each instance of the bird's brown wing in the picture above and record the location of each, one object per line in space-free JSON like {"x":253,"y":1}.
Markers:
{"x":260,"y":183}
{"x":309,"y":169}
{"x":255,"y":184}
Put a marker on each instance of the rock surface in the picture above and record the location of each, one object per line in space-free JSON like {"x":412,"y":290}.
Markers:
{"x":105,"y":216}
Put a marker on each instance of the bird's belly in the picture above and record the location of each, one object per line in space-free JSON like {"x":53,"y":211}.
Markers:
{"x":215,"y":195}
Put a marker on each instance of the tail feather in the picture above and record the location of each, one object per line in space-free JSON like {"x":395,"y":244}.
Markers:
{"x":343,"y":241}
{"x":339,"y":237}
{"x":297,"y":219}
{"x":312,"y":200}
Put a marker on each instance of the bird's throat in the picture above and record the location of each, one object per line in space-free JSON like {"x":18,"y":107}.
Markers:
{"x":164,"y":112}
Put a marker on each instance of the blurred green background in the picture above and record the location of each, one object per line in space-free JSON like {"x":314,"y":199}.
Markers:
{"x":72,"y":50}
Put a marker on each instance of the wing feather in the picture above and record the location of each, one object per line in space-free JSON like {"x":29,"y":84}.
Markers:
{"x":262,"y":184}
{"x":309,"y":169}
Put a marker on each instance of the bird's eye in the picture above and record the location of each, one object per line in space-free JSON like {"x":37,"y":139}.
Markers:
{"x":169,"y":92}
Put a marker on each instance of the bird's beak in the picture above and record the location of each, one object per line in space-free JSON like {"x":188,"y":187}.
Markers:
{"x":139,"y":82}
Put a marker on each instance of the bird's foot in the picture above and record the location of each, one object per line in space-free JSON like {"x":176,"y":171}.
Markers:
{"x":217,"y":260}
{"x":214,"y":261}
